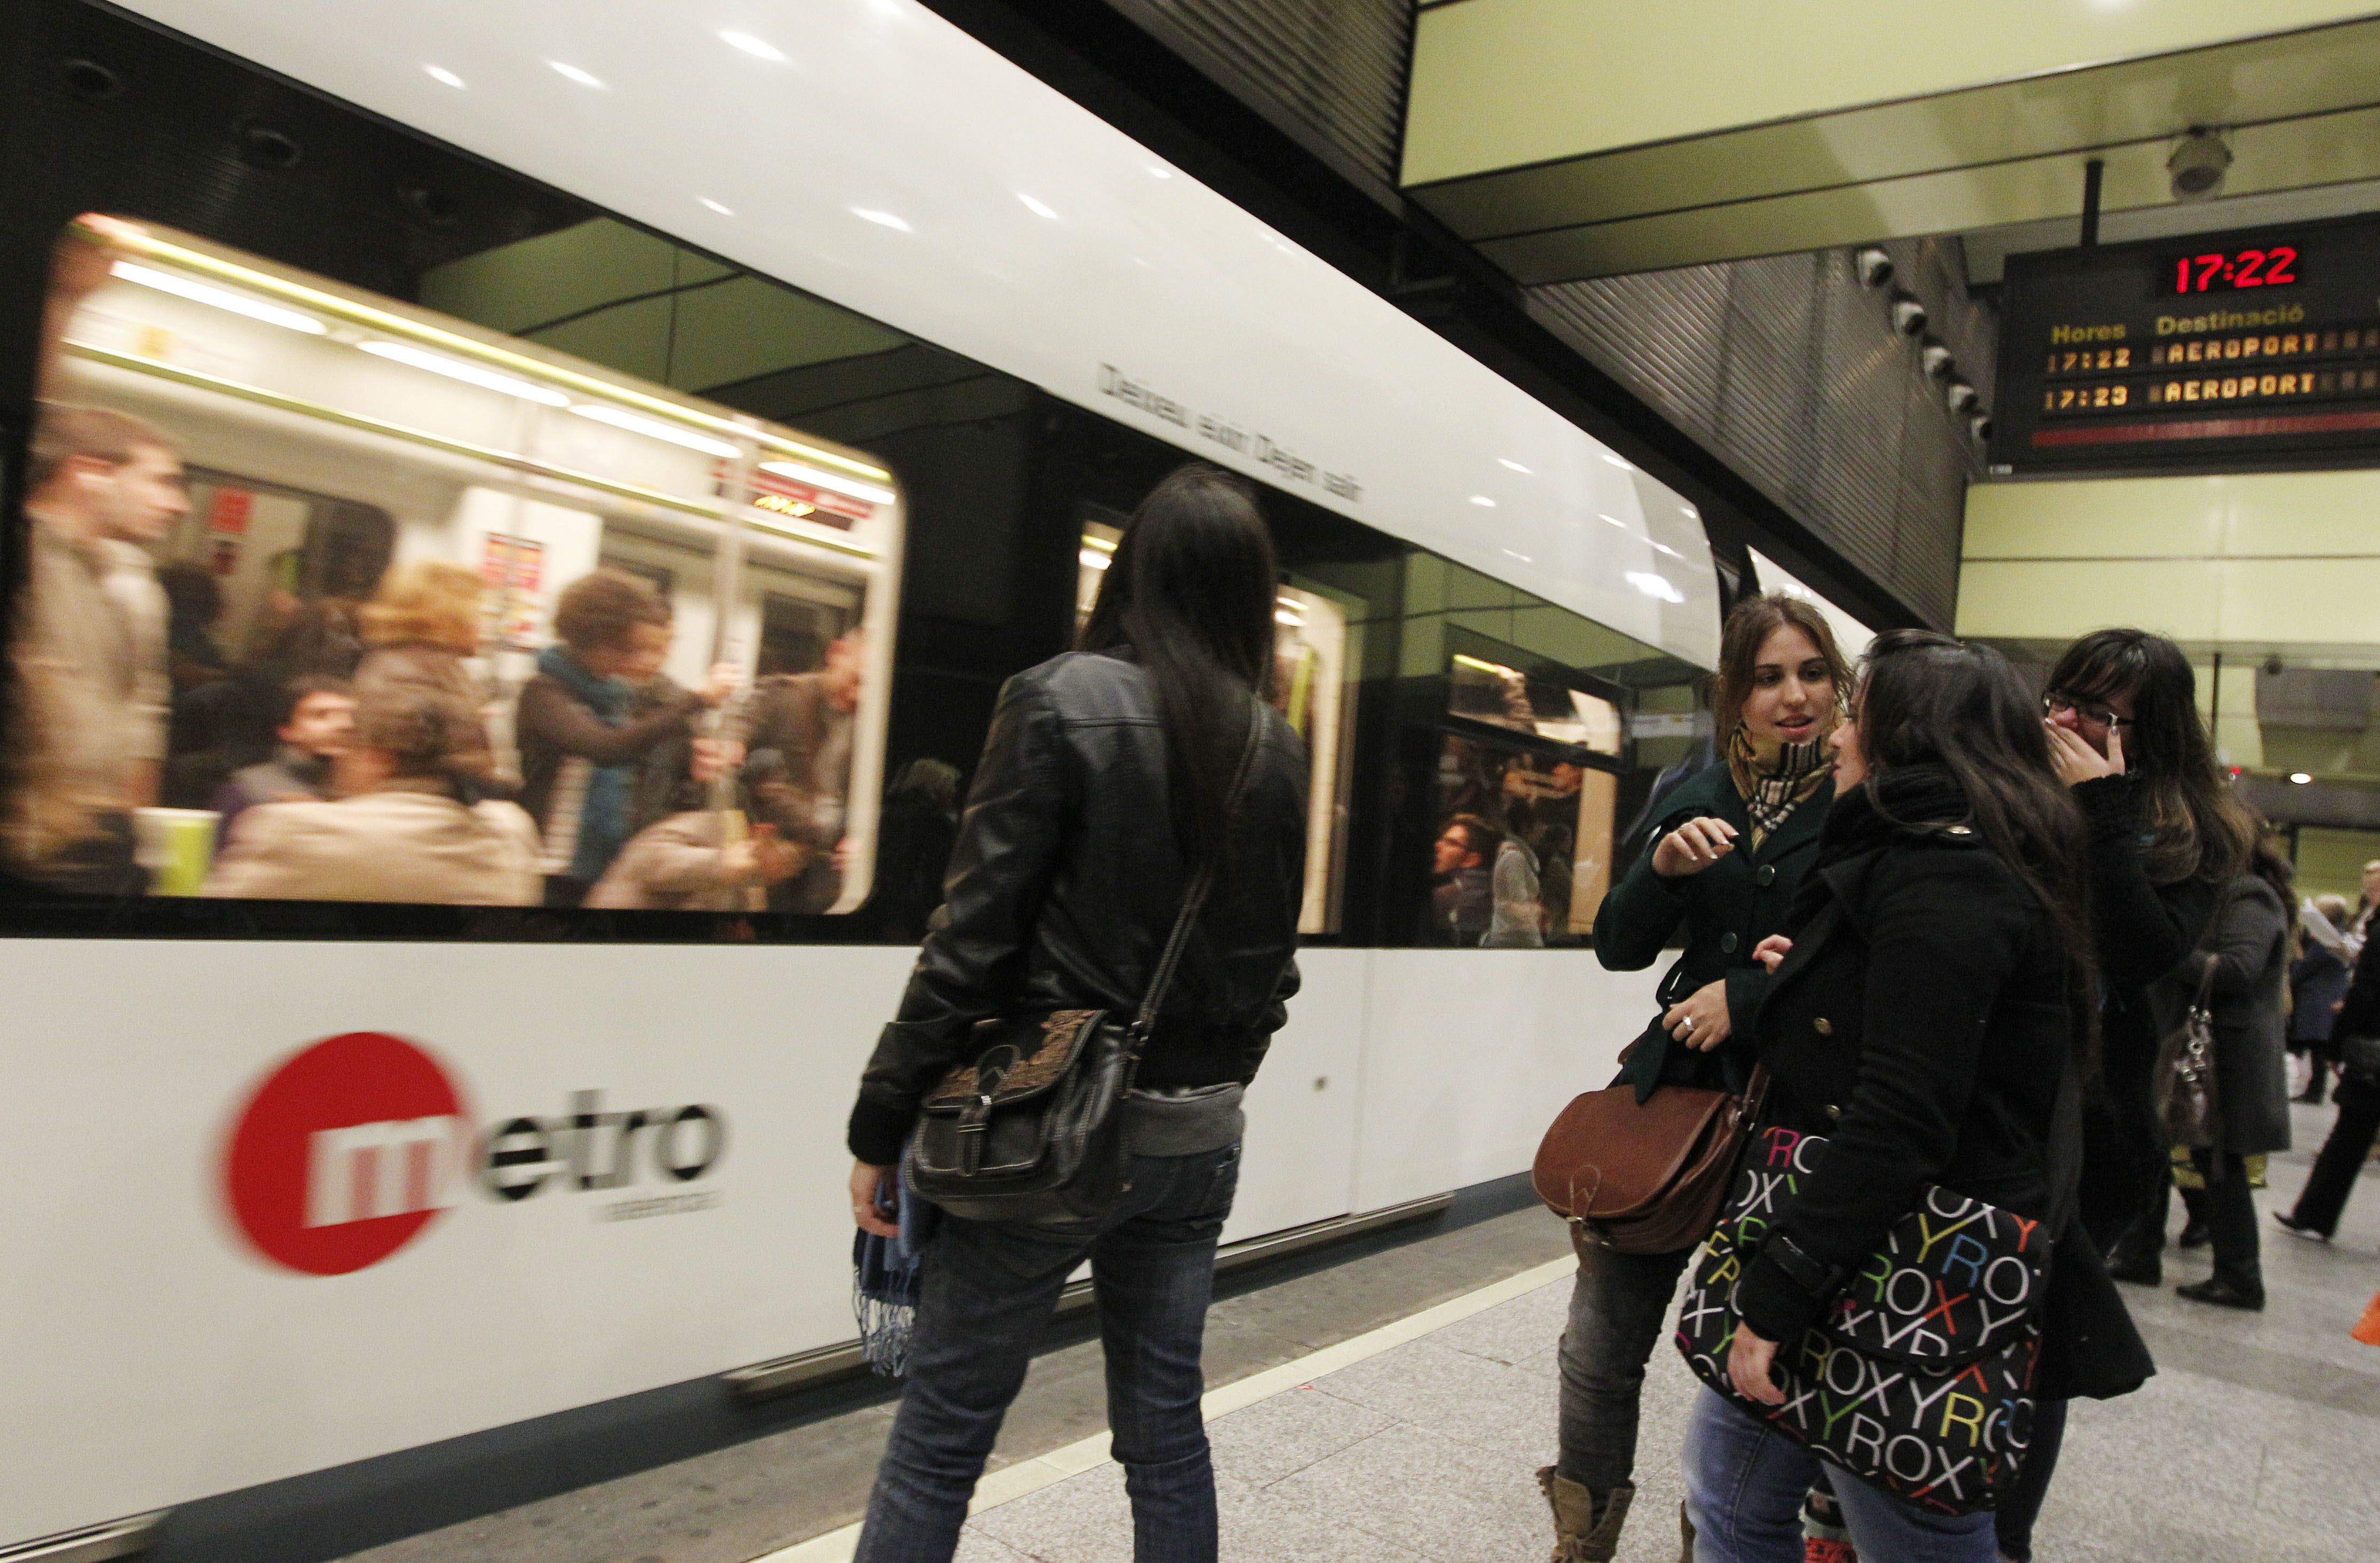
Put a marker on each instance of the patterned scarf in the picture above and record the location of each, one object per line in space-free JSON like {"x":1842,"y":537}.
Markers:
{"x":1774,"y":777}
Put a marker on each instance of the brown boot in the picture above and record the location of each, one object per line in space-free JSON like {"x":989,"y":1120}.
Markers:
{"x":1585,"y":1530}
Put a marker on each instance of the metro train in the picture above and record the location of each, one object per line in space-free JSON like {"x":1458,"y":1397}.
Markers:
{"x":831,"y":326}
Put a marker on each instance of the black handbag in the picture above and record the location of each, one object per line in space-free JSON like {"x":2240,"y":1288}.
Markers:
{"x":1033,"y":1130}
{"x":1920,"y":1380}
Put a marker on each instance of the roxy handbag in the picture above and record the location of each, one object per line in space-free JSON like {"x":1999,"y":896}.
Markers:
{"x":1919,"y":1380}
{"x":1032,"y":1128}
{"x":1643,"y":1178}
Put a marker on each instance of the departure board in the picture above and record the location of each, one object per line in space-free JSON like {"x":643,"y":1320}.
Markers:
{"x":2209,"y":351}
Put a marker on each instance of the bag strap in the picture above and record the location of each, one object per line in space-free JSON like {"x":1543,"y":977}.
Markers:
{"x":2064,"y":1162}
{"x":1203,"y":880}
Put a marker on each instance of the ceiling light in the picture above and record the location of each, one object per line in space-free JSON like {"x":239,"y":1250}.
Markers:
{"x":1522,"y":557}
{"x":1653,"y":585}
{"x":1155,"y":172}
{"x":759,"y":48}
{"x":1482,"y":500}
{"x":882,"y":218}
{"x":811,"y":475}
{"x":456,"y":368}
{"x":1617,"y":522}
{"x":1092,"y":559}
{"x":441,"y":75}
{"x":1875,"y":266}
{"x":584,"y":79}
{"x":1617,"y":462}
{"x":654,"y":428}
{"x":2299,"y":777}
{"x":1034,"y":207}
{"x":1665,"y":548}
{"x":221,"y":298}
{"x":1507,"y":461}
{"x":723,"y":212}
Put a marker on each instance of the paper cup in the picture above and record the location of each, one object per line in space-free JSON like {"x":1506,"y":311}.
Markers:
{"x":178,"y":847}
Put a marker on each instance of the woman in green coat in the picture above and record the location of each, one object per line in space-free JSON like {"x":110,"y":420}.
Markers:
{"x":1724,"y":860}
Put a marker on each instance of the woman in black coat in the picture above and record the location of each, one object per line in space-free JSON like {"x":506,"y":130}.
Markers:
{"x":1923,"y":1029}
{"x":2166,"y":836}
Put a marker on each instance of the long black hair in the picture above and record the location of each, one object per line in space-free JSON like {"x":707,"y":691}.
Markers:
{"x":2198,"y":827}
{"x":1928,"y":699}
{"x":1189,"y":596}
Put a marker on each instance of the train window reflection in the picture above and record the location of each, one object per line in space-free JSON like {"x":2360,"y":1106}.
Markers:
{"x":1490,"y":692}
{"x":331,"y":596}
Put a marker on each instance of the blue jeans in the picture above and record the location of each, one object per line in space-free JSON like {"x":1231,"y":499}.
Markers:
{"x":989,"y":1289}
{"x":1745,"y":1482}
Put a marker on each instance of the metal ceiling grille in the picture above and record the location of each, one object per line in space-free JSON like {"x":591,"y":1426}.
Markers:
{"x":1337,"y":66}
{"x":1790,"y":371}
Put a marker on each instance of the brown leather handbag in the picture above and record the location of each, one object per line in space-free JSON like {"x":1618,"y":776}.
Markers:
{"x":1645,"y":1178}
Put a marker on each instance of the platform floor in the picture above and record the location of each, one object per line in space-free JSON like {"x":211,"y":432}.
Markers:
{"x":2256,"y":1441}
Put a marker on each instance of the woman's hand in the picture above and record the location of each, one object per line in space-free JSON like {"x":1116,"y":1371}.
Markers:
{"x":865,"y":1183}
{"x":1699,"y":1020}
{"x":1749,"y":1360}
{"x":1693,"y":847}
{"x":1771,"y":952}
{"x":2076,"y":761}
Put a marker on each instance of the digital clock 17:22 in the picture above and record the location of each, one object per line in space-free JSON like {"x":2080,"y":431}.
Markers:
{"x":2216,"y":272}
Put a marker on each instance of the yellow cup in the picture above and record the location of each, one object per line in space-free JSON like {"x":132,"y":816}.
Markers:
{"x":178,"y":847}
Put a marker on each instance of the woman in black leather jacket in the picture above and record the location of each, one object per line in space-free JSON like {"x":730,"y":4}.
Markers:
{"x":1922,"y":1031}
{"x":1104,"y":784}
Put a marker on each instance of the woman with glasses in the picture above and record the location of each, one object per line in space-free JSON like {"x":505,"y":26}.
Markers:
{"x":2165,"y":836}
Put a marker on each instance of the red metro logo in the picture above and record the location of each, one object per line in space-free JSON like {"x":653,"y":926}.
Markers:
{"x":346,"y":1152}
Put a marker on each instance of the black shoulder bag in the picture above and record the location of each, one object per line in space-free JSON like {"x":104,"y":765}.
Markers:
{"x":1033,"y":1130}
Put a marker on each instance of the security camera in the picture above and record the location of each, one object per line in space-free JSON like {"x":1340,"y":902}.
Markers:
{"x":1875,"y":267}
{"x":1960,"y":395}
{"x":1936,"y":359}
{"x":2199,"y":162}
{"x":1908,"y":315}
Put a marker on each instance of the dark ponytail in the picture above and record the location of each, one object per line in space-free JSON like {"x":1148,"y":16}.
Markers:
{"x":1928,"y":699}
{"x":1190,"y":598}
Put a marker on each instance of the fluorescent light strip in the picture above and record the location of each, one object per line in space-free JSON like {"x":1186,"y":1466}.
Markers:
{"x":126,"y":236}
{"x":456,"y":368}
{"x":800,"y":474}
{"x":221,"y":298}
{"x":654,"y":428}
{"x":1094,"y":560}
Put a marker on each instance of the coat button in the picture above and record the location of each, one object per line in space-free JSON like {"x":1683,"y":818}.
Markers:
{"x":1823,"y":1026}
{"x":1727,"y":943}
{"x":1835,"y":1113}
{"x":1766,"y":875}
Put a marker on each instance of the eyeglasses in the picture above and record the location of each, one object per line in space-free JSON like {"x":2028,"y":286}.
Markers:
{"x":2058,"y":701}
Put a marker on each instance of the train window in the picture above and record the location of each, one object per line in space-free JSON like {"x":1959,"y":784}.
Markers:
{"x":1551,"y":731}
{"x":335,"y":596}
{"x":1316,"y":654}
